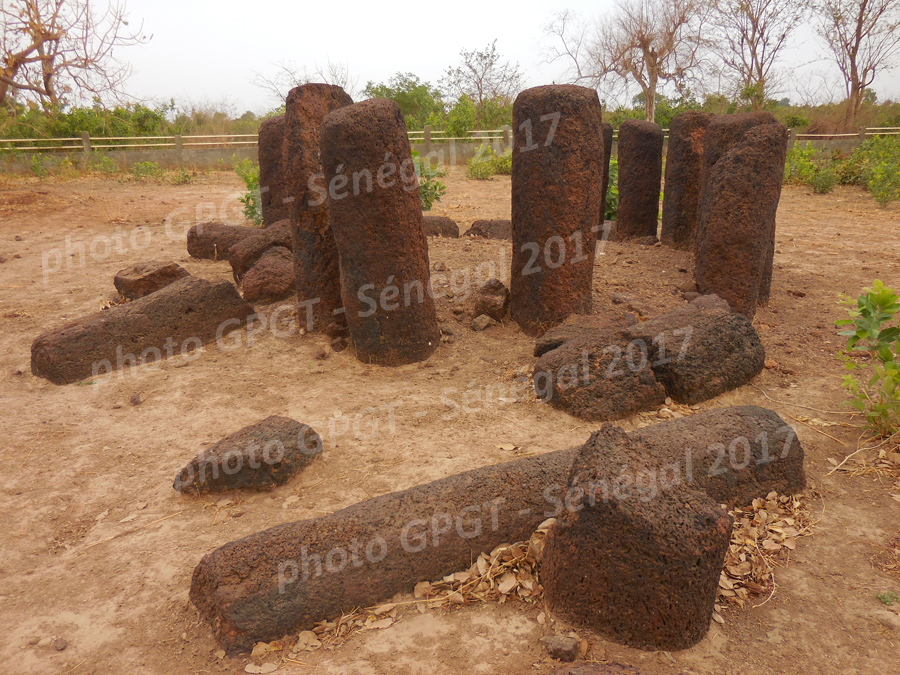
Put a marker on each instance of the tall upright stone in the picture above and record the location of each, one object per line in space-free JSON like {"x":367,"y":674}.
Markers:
{"x":271,"y":171}
{"x":376,"y":217}
{"x":608,"y":133}
{"x":556,"y":203}
{"x":737,"y":216}
{"x":640,"y":178}
{"x":684,"y":170}
{"x":315,"y":253}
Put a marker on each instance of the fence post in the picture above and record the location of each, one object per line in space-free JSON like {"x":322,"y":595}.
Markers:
{"x":179,"y":148}
{"x":862,"y":134}
{"x":86,"y":147}
{"x":426,"y":140}
{"x":792,"y":138}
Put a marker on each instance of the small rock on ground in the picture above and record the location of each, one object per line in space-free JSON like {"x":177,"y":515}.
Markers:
{"x":560,"y":647}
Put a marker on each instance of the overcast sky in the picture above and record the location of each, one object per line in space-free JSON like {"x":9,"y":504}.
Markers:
{"x":204,"y":51}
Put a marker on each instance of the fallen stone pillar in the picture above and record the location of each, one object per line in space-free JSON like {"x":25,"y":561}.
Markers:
{"x":440,"y":226}
{"x":684,"y":170}
{"x":244,"y":254}
{"x":271,"y":171}
{"x":145,"y":278}
{"x":490,"y":229}
{"x":184,"y":315}
{"x":640,"y":179}
{"x":376,"y":217}
{"x":212,"y":241}
{"x":557,"y":171}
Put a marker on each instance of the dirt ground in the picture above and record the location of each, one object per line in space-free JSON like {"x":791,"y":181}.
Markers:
{"x":98,"y":549}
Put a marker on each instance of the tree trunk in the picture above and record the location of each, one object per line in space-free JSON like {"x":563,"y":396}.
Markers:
{"x":854,"y":102}
{"x":650,"y":104}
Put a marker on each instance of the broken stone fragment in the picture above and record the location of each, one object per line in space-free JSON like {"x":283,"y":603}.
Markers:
{"x":145,"y":278}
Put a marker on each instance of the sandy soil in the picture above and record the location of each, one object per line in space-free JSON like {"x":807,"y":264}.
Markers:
{"x":98,"y":549}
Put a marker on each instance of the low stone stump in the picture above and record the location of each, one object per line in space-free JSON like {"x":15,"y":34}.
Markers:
{"x":640,"y":179}
{"x":261,"y":456}
{"x":212,"y":241}
{"x":492,"y":299}
{"x":145,"y":278}
{"x":577,"y":326}
{"x":490,"y":229}
{"x":271,"y":278}
{"x":440,"y":226}
{"x":271,"y":171}
{"x":185,"y":314}
{"x":246,"y":252}
{"x":684,"y":170}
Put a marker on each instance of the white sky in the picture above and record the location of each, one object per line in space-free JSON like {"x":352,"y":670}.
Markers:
{"x":205,"y":51}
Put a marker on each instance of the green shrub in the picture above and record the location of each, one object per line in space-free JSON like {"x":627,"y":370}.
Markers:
{"x":38,"y":168}
{"x":823,"y":180}
{"x":430,"y":188}
{"x":877,"y":393}
{"x":502,"y":164}
{"x":103,"y":164}
{"x":181,"y":177}
{"x":800,"y":166}
{"x":249,"y":173}
{"x":480,"y":167}
{"x":611,"y":210}
{"x":146,"y":170}
{"x":875,"y":165}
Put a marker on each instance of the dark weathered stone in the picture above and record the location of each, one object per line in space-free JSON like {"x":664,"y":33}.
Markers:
{"x":440,"y":226}
{"x":556,"y":209}
{"x":737,"y":217}
{"x":640,"y":567}
{"x":315,"y":255}
{"x":684,"y":170}
{"x":492,"y":299}
{"x":246,"y":252}
{"x":640,"y":179}
{"x":211,"y":241}
{"x":261,"y":456}
{"x":701,"y":350}
{"x":184,"y":314}
{"x":385,"y":278}
{"x":271,"y":277}
{"x":586,"y":668}
{"x":578,"y":326}
{"x":560,"y":647}
{"x":490,"y":229}
{"x":144,"y":278}
{"x":271,"y":171}
{"x":608,"y":133}
{"x":597,"y":378}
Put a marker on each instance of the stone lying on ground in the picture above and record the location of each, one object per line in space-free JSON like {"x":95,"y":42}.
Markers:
{"x":577,"y":326}
{"x":482,"y":322}
{"x":212,"y":241}
{"x":271,"y":277}
{"x":181,"y":316}
{"x":440,"y":226}
{"x":492,"y":299}
{"x":271,"y":171}
{"x":490,"y":229}
{"x":289,"y":577}
{"x":145,"y":278}
{"x":590,"y":668}
{"x":261,"y":456}
{"x":246,"y":252}
{"x":560,"y":647}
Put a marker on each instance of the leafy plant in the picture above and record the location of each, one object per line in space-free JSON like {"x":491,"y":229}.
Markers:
{"x":800,"y":166}
{"x":479,"y":168}
{"x":502,"y":164}
{"x":430,"y":188}
{"x":103,"y":164}
{"x":182,"y":177}
{"x":37,"y":166}
{"x":888,"y":598}
{"x":249,"y":173}
{"x":611,"y":208}
{"x":823,"y":180}
{"x":877,"y":394}
{"x":146,"y":170}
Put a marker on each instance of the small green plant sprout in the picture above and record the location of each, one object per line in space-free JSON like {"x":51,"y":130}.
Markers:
{"x":889,"y":598}
{"x":876,"y":393}
{"x":252,"y":201}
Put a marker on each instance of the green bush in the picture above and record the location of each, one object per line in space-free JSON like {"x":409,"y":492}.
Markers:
{"x":502,"y":164}
{"x":249,"y":173}
{"x":823,"y":180}
{"x":877,"y":393}
{"x":800,"y":166}
{"x":430,"y":188}
{"x":146,"y":170}
{"x":103,"y":164}
{"x":181,"y":177}
{"x":480,"y":167}
{"x":38,"y":168}
{"x":611,"y":210}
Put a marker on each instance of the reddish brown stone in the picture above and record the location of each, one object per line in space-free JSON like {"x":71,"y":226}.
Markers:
{"x":385,"y":280}
{"x":440,"y":226}
{"x":575,"y":327}
{"x":492,"y":299}
{"x":246,"y":252}
{"x":640,"y":176}
{"x":271,"y":171}
{"x":271,"y":277}
{"x":490,"y":229}
{"x":211,"y":241}
{"x":145,"y":278}
{"x":315,"y":254}
{"x":556,"y":193}
{"x":684,"y":168}
{"x":608,"y":133}
{"x":586,"y":668}
{"x":737,"y":216}
{"x":174,"y":319}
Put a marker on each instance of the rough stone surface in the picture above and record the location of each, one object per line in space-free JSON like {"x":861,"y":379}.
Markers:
{"x":186,"y":313}
{"x":701,"y":350}
{"x":597,"y":378}
{"x":684,"y":169}
{"x":271,"y":277}
{"x":737,"y":218}
{"x":556,"y":209}
{"x":560,"y":647}
{"x":144,"y":278}
{"x":492,"y":299}
{"x":490,"y":229}
{"x":212,"y":241}
{"x":271,"y":171}
{"x":611,"y":668}
{"x":316,"y":263}
{"x":261,"y":456}
{"x":578,"y":326}
{"x":640,"y":179}
{"x":440,"y":226}
{"x":604,"y":180}
{"x":246,"y":252}
{"x":482,"y":322}
{"x":385,"y":275}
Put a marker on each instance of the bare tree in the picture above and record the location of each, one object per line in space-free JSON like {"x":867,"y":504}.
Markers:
{"x":287,"y":76}
{"x":57,"y":49}
{"x":863,"y":37}
{"x":482,"y":76}
{"x":648,"y":42}
{"x":749,"y":38}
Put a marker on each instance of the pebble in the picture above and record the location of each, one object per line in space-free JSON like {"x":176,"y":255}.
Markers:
{"x":440,"y":267}
{"x":620,"y":298}
{"x":482,"y":322}
{"x":137,"y":399}
{"x":560,"y":647}
{"x":59,"y":644}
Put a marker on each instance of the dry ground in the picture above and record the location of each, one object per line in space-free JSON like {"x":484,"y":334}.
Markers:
{"x":98,"y":549}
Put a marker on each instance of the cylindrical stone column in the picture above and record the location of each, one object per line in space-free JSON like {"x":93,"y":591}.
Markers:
{"x":315,"y":255}
{"x":271,"y":174}
{"x":640,"y":177}
{"x":376,"y":217}
{"x":607,"y":156}
{"x":684,"y":168}
{"x":556,"y":210}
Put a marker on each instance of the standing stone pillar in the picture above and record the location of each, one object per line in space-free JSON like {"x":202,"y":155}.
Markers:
{"x":556,"y":210}
{"x":607,"y":156}
{"x":640,"y":177}
{"x":684,"y":168}
{"x":271,"y":175}
{"x":376,"y":216}
{"x":315,"y":254}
